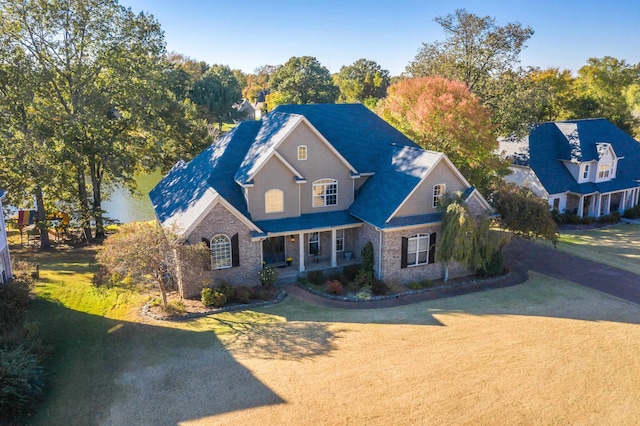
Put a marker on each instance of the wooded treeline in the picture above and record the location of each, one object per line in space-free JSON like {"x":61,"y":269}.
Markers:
{"x":90,"y":97}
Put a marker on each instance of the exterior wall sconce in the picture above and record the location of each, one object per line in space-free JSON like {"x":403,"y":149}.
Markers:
{"x":293,"y":239}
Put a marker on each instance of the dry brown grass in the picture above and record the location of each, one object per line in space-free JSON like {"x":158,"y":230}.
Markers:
{"x":545,"y":352}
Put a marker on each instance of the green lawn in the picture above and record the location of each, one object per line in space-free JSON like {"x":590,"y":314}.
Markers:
{"x":617,"y":246}
{"x":544,"y":352}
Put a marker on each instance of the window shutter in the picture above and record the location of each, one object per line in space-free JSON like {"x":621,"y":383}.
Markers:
{"x":432,"y":248}
{"x":403,"y":255}
{"x":235,"y":253}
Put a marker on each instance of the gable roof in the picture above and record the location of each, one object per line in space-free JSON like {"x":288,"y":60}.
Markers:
{"x":362,"y":140}
{"x":190,"y":189}
{"x":395,"y":179}
{"x":548,"y":144}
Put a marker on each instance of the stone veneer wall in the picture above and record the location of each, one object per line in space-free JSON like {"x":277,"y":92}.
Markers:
{"x":222,"y":221}
{"x":392,"y":252}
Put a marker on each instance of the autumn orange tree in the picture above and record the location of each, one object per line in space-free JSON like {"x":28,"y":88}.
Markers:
{"x":443,"y":115}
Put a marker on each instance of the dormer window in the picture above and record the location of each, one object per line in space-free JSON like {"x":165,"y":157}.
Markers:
{"x":302,"y":152}
{"x":604,"y":170}
{"x":585,"y":172}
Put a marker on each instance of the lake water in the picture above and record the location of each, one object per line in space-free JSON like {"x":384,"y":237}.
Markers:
{"x":126,"y":207}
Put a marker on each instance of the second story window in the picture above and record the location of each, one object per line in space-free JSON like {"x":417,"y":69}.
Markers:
{"x":585,"y":172}
{"x":273,"y":201}
{"x":438,"y":193}
{"x":325,"y":192}
{"x":302,"y":152}
{"x":604,"y":170}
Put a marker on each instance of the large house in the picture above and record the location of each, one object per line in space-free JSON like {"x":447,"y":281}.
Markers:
{"x":584,"y":167}
{"x":313,"y":183}
{"x":5,"y":259}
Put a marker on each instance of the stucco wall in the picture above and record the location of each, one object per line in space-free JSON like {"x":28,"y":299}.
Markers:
{"x":273,"y":175}
{"x":421,"y":201}
{"x":321,"y":163}
{"x":222,"y":221}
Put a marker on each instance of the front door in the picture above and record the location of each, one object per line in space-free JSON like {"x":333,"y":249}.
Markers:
{"x":273,"y":250}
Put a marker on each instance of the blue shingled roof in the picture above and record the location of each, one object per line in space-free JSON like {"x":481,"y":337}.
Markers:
{"x":578,"y":140}
{"x":366,"y":142}
{"x":2,"y":193}
{"x":213,"y":169}
{"x":419,"y":219}
{"x":308,"y":222}
{"x":400,"y":169}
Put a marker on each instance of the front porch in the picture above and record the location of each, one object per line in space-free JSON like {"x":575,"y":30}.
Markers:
{"x":602,"y":204}
{"x":290,"y":274}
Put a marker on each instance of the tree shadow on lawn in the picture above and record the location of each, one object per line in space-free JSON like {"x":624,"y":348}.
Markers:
{"x":104,"y":371}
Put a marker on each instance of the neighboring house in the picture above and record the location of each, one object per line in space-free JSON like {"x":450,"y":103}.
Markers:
{"x":313,"y":182}
{"x":585,"y":167}
{"x":5,"y":259}
{"x":249,"y":111}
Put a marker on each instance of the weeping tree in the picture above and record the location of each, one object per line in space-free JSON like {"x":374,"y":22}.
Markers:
{"x":467,"y":239}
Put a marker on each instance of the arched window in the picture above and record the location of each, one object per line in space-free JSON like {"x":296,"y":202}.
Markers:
{"x":220,"y":252}
{"x":302,"y":152}
{"x":325,"y":192}
{"x":273,"y":201}
{"x":438,"y":193}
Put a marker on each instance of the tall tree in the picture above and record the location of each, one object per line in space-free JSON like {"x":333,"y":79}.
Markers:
{"x":602,"y":87}
{"x":363,"y":81}
{"x":102,"y":85}
{"x":477,"y":52}
{"x":455,"y":243}
{"x":555,"y":89}
{"x":443,"y":115}
{"x":303,"y":80}
{"x":216,"y":93}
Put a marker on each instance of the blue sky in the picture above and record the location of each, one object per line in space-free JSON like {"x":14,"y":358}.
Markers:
{"x":247,"y":34}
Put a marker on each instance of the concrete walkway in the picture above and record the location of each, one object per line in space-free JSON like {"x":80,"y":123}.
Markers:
{"x":520,"y":256}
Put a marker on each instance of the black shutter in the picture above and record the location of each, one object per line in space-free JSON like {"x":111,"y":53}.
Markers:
{"x":235,"y":253}
{"x":403,"y":255}
{"x":432,"y":248}
{"x":207,"y":263}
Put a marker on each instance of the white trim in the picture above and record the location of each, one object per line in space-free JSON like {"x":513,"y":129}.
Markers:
{"x":324,"y":194}
{"x":289,"y":166}
{"x":483,"y":200}
{"x":309,"y":242}
{"x":281,"y":138}
{"x":230,"y":252}
{"x":442,"y":157}
{"x":417,"y":237}
{"x":323,"y":229}
{"x":437,"y":199}
{"x":306,"y":153}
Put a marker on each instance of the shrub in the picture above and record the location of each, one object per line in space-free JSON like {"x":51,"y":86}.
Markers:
{"x":352,"y":287}
{"x":494,"y":267}
{"x":212,"y":298}
{"x":364,"y":294}
{"x":367,"y":257}
{"x":315,"y":277}
{"x":243,"y":295}
{"x":364,"y":278}
{"x":350,"y":272}
{"x":175,"y":308}
{"x":21,"y":381}
{"x":263,"y":293}
{"x":379,"y":287}
{"x":335,"y":287}
{"x":226,"y":289}
{"x":587,"y":220}
{"x":14,"y":298}
{"x":610,"y":218}
{"x":268,"y":276}
{"x":414,"y":285}
{"x":632,"y":213}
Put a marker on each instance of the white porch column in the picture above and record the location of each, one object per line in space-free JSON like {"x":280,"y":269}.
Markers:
{"x":598,"y":205}
{"x":581,"y":206}
{"x":301,"y":251}
{"x":623,"y":201}
{"x":607,"y":208}
{"x":334,"y":261}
